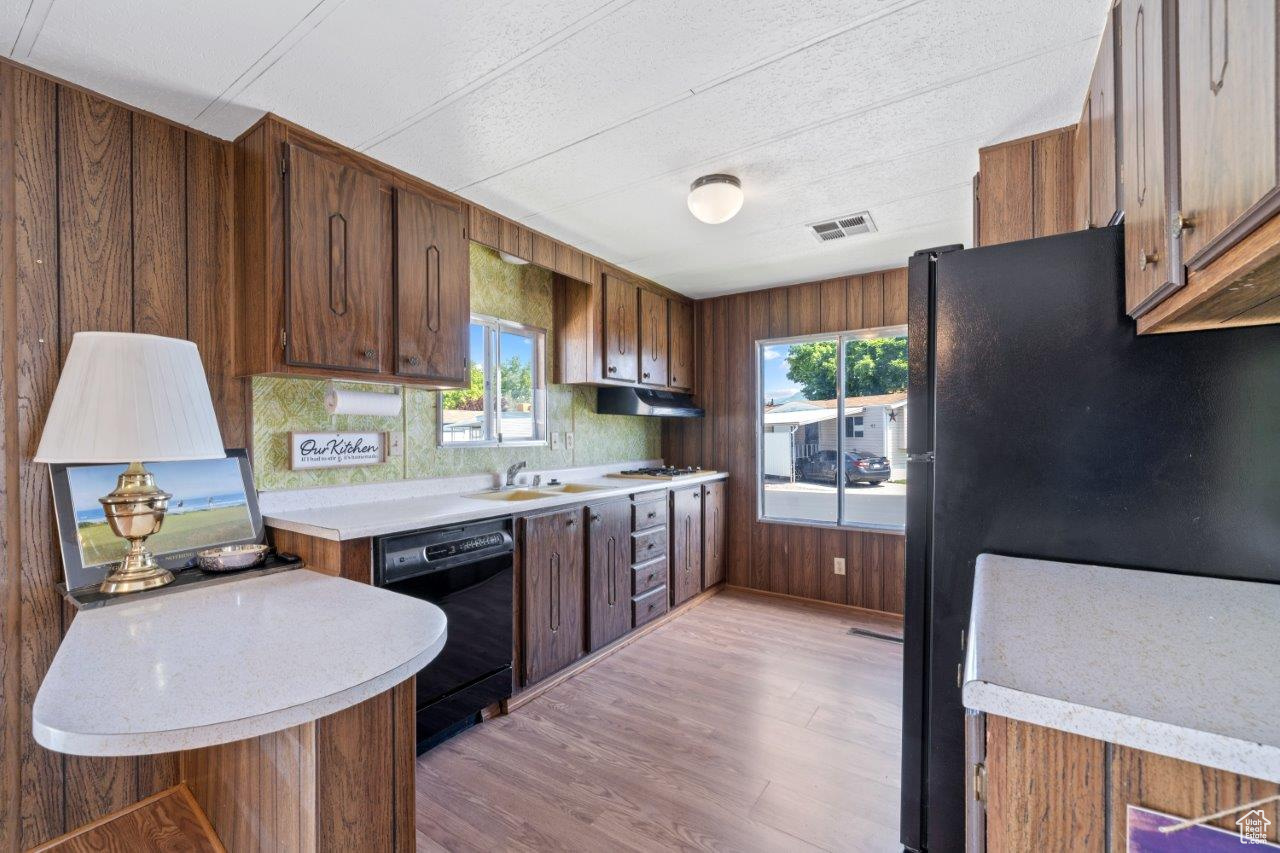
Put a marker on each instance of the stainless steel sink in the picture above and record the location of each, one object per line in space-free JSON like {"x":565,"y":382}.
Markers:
{"x":510,"y":495}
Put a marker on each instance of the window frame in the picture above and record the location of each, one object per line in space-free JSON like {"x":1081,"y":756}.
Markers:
{"x":494,"y":327}
{"x":898,"y":331}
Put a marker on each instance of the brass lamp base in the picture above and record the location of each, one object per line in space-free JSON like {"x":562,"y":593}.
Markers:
{"x":135,"y":510}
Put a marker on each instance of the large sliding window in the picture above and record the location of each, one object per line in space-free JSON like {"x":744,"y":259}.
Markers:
{"x":505,"y":402}
{"x":829,"y":456}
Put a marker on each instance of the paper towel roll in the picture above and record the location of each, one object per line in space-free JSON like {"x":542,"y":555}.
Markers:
{"x":340,"y":401}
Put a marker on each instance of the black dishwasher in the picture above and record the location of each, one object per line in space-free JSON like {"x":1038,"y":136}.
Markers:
{"x":466,"y":571}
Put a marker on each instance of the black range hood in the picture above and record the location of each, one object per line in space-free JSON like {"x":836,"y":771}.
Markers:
{"x":646,"y":401}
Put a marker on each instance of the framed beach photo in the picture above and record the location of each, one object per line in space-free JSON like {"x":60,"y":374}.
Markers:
{"x":213,"y":503}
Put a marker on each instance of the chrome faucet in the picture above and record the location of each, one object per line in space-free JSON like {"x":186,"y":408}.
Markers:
{"x":512,"y":471}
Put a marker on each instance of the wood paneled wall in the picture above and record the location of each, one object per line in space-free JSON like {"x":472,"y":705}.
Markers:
{"x":109,"y":219}
{"x":784,"y":558}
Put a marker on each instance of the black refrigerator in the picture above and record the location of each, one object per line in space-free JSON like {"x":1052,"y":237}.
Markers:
{"x":1041,"y":425}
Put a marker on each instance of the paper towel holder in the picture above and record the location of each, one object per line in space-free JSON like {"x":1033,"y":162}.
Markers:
{"x":340,"y":401}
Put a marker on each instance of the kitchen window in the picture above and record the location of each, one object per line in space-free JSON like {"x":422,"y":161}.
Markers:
{"x":830,"y":458}
{"x":505,"y":402}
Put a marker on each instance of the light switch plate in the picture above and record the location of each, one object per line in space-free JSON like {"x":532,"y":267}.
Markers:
{"x":394,"y":444}
{"x":839,"y":565}
{"x":555,"y":441}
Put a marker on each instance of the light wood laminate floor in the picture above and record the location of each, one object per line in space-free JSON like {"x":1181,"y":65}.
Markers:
{"x":748,"y":723}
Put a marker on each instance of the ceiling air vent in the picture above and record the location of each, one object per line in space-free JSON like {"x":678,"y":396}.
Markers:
{"x":845,"y":226}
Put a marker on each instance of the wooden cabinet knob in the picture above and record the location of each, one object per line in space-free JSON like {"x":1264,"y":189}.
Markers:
{"x":1183,"y":223}
{"x":1148,"y":259}
{"x":370,"y":354}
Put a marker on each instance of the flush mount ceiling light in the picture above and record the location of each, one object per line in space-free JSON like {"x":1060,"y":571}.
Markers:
{"x":512,"y":259}
{"x":715,"y":198}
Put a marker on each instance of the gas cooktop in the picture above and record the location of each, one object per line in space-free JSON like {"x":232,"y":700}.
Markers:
{"x":666,"y":472}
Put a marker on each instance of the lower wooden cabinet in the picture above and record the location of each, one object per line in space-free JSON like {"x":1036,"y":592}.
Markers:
{"x":608,"y":572}
{"x":1047,"y":789}
{"x":713,"y":535}
{"x":554,"y":585}
{"x":686,"y":543}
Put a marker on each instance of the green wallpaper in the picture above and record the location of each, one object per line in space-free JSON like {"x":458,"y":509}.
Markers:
{"x":499,"y":289}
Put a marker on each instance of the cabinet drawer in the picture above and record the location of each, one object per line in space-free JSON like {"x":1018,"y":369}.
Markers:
{"x":648,"y":544}
{"x":647,"y":576}
{"x":646,"y":512}
{"x":647,"y":607}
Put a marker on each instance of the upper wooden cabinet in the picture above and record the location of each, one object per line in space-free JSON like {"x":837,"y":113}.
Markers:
{"x":1097,"y":200}
{"x":680,"y":339}
{"x":1199,"y":184}
{"x":338,"y":229}
{"x":653,"y":338}
{"x":1227,"y":127}
{"x":1024,"y":188}
{"x":1149,"y":273}
{"x":433,"y":288}
{"x":621,"y":329}
{"x":347,"y":268}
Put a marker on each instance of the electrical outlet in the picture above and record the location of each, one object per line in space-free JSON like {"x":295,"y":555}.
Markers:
{"x":568,"y":441}
{"x":839,"y":565}
{"x":555,"y":441}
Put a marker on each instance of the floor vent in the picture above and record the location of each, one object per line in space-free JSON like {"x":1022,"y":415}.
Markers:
{"x":875,"y":635}
{"x":844,"y":226}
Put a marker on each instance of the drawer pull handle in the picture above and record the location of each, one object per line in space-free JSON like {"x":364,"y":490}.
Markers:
{"x":413,"y":360}
{"x":1184,"y":223}
{"x":1148,"y":259}
{"x":613,"y":368}
{"x":370,"y":354}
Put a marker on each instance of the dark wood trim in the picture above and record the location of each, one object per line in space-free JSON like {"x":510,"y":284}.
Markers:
{"x":533,"y":691}
{"x":1155,"y":297}
{"x":1251,"y":220}
{"x":1029,"y":138}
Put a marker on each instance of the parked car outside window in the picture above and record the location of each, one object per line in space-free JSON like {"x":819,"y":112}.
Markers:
{"x":859,"y":467}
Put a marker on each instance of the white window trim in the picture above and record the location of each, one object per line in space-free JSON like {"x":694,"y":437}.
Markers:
{"x":493,"y":327}
{"x":840,"y":338}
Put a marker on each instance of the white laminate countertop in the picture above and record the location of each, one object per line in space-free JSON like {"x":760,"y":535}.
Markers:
{"x":220,"y":663}
{"x":1187,"y":667}
{"x":342,"y":520}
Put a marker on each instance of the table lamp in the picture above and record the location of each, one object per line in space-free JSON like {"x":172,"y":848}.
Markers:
{"x":127,"y":398}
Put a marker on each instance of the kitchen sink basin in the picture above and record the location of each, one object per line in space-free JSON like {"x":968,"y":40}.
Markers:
{"x":573,"y":488}
{"x":511,"y":495}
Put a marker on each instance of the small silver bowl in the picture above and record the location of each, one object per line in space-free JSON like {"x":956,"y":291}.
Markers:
{"x":231,"y":558}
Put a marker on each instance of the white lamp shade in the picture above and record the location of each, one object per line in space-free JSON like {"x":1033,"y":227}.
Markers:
{"x":130,"y":398}
{"x":714,"y":199}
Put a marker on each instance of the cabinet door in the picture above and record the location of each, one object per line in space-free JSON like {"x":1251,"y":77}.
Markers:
{"x":608,"y":572}
{"x":1227,"y":106}
{"x":433,"y":289}
{"x":713,"y":538}
{"x":621,"y":334}
{"x":1146,"y":244}
{"x":552,"y":609}
{"x":686,"y":543}
{"x":1102,"y":132}
{"x":680,"y":333}
{"x":339,"y":264}
{"x":653,"y":338}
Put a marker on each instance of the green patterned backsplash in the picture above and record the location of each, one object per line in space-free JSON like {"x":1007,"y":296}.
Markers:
{"x":499,"y":289}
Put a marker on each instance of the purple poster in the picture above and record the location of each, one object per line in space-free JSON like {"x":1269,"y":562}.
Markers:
{"x":1251,"y":829}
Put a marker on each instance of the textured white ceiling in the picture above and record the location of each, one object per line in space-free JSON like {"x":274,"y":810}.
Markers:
{"x":588,"y":119}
